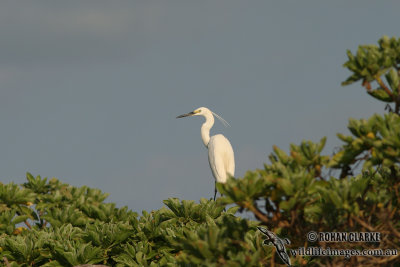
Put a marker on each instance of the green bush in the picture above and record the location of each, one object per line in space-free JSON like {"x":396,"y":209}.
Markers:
{"x":354,"y":190}
{"x":69,"y":226}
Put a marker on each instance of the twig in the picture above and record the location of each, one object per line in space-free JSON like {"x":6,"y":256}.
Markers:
{"x":386,"y":259}
{"x":384,"y":87}
{"x":6,"y":262}
{"x":395,"y":232}
{"x":367,"y":85}
{"x":294,"y":215}
{"x":392,"y":244}
{"x":389,"y":108}
{"x":28,"y":224}
{"x":396,"y":191}
{"x":259,"y":214}
{"x":396,"y":101}
{"x":364,"y":224}
{"x":273,"y":260}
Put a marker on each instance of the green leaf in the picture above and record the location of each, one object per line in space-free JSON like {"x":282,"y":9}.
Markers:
{"x":233,"y":210}
{"x":286,"y":185}
{"x":381,"y":94}
{"x":288,"y":204}
{"x":334,"y":197}
{"x":393,"y":79}
{"x":321,"y":144}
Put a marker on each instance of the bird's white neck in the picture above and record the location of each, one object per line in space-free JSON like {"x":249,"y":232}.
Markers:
{"x":205,"y":128}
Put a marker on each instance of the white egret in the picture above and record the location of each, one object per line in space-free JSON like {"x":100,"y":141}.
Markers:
{"x":220,"y":152}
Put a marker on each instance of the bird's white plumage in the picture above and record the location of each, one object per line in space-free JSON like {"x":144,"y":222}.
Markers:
{"x":220,"y":152}
{"x":221,"y":158}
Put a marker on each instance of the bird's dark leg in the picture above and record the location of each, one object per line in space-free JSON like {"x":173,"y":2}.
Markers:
{"x":215,"y":191}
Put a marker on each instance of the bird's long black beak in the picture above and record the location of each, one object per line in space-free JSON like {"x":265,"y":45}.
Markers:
{"x":186,"y":115}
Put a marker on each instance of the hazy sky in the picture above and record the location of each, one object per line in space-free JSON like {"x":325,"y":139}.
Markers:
{"x":89,"y":90}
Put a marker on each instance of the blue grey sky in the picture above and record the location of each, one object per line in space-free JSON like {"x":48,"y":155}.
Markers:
{"x":89,"y":90}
